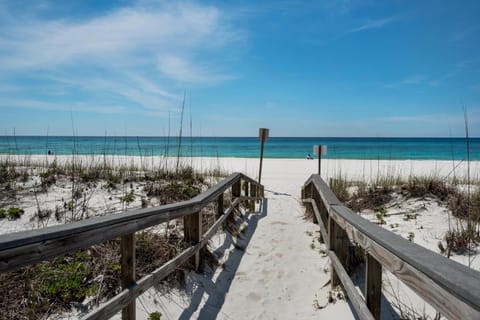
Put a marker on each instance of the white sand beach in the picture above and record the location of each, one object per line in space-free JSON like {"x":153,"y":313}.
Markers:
{"x":282,"y":271}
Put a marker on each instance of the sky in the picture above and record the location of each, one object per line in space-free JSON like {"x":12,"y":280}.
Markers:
{"x":346,"y":68}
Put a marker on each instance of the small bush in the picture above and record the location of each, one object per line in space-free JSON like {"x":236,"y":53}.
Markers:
{"x":67,"y":281}
{"x":154,"y":316}
{"x":14,"y":213}
{"x":128,"y":198}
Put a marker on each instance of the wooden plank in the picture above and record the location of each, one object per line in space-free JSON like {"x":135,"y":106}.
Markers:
{"x":121,"y":300}
{"x":192,"y":229}
{"x":127,"y":262}
{"x":27,"y":254}
{"x":332,"y":246}
{"x":373,"y":286}
{"x":28,"y":247}
{"x":115,"y":304}
{"x":323,"y":230}
{"x":186,"y":207}
{"x":438,"y":284}
{"x":219,"y":206}
{"x":236,"y":190}
{"x":355,"y":298}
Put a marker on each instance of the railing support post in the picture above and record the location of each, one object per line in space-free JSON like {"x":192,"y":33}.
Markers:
{"x":252,"y":194}
{"x":220,"y":209}
{"x":338,"y":243}
{"x":127,"y":261}
{"x":332,"y":230}
{"x":373,"y":286}
{"x":192,"y":233}
{"x":236,"y":190}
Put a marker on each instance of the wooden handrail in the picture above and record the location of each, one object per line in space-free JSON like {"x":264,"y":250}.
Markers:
{"x":29,"y":247}
{"x":450,"y":287}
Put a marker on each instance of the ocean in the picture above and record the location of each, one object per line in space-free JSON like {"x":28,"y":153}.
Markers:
{"x":247,"y":147}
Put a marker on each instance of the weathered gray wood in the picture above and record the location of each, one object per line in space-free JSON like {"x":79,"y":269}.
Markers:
{"x":127,"y":262}
{"x":28,"y":247}
{"x":236,"y":190}
{"x":219,"y":206}
{"x":185,"y":207}
{"x":122,"y":299}
{"x":22,"y":255}
{"x":453,"y":289}
{"x":323,"y":230}
{"x":192,"y":228}
{"x":373,"y":285}
{"x":355,"y":298}
{"x":442,"y":283}
{"x":332,"y":246}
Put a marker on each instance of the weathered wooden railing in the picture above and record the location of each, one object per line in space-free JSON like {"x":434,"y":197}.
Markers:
{"x":451,"y":288}
{"x":29,"y":247}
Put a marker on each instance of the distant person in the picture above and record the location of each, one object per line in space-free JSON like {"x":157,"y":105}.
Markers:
{"x":49,"y":153}
{"x":309,"y":157}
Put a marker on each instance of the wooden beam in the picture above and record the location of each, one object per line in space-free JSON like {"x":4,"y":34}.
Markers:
{"x":252,"y":194}
{"x":442,"y":282}
{"x":127,"y":262}
{"x":323,"y":229}
{"x":115,"y":304}
{"x":355,"y":298}
{"x":219,"y":206}
{"x":192,"y":229}
{"x":332,"y":246}
{"x":373,"y":285}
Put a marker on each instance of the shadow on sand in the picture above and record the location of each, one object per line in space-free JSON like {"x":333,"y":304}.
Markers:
{"x":218,"y":289}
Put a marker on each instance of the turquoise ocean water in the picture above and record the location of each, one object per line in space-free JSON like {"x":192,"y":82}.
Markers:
{"x":276,"y":147}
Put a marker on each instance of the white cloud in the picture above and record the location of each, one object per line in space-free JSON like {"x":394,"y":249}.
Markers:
{"x":183,"y":70}
{"x":133,"y":53}
{"x":61,"y":106}
{"x":374,"y":24}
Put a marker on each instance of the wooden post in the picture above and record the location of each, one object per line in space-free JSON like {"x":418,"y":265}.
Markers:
{"x":252,"y":194}
{"x":220,"y":208}
{"x":373,"y":286}
{"x":236,"y":190}
{"x":192,"y":229}
{"x":332,"y":229}
{"x":127,"y":261}
{"x":263,"y":135}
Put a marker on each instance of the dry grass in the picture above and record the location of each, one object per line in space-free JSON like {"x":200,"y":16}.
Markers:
{"x":63,"y":283}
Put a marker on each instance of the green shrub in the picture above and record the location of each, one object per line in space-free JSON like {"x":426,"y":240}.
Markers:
{"x":14,"y":213}
{"x":3,"y":214}
{"x":154,"y":316}
{"x":68,"y":279}
{"x":129,"y":197}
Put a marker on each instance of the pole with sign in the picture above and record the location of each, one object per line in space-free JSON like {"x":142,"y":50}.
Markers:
{"x":263,"y":136}
{"x":320,"y":151}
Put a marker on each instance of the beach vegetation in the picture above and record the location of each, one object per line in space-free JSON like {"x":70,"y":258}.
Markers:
{"x":12,"y":213}
{"x":128,"y":198}
{"x":154,"y":316}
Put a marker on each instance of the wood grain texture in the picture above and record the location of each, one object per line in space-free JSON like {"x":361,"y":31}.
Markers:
{"x":28,"y":247}
{"x":355,"y":298}
{"x":373,"y":285}
{"x":127,"y":262}
{"x":452,"y":288}
{"x":115,"y":304}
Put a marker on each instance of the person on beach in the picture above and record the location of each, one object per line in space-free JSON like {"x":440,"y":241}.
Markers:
{"x":309,"y":157}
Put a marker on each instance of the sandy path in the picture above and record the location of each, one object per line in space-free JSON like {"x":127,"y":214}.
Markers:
{"x":280,"y":276}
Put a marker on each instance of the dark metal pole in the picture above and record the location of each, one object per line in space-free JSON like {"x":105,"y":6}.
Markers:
{"x":319,"y":161}
{"x":261,"y":162}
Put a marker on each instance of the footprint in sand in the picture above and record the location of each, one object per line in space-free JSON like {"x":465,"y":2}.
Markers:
{"x":252,"y":296}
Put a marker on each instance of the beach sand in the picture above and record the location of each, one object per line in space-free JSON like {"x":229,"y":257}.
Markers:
{"x":282,"y":270}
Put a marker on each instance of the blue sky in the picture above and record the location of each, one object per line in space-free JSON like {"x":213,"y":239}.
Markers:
{"x":300,"y":68}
